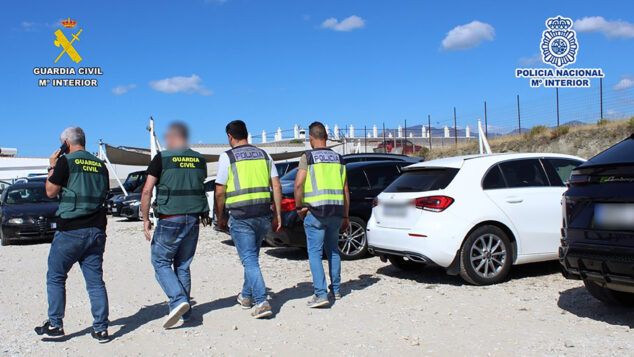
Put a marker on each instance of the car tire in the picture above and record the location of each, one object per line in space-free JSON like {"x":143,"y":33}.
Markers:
{"x":609,"y":296}
{"x":403,"y":263}
{"x":486,"y":256}
{"x":353,"y":243}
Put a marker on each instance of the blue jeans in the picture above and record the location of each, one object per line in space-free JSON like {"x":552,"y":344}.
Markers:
{"x":247,"y":235}
{"x":173,"y":247}
{"x":85,"y":246}
{"x":322,"y":234}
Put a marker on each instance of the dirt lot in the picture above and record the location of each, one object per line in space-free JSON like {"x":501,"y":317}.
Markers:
{"x":383,"y":310}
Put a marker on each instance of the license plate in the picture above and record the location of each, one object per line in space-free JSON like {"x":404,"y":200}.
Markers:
{"x":114,"y":209}
{"x":394,"y":210}
{"x":614,"y":216}
{"x":53,"y":225}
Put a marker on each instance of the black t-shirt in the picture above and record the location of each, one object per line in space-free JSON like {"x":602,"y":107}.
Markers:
{"x":98,"y":219}
{"x":156,"y":167}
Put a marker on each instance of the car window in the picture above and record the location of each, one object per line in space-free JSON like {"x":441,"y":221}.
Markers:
{"x":290,"y":176}
{"x":524,"y":173}
{"x":559,"y":170}
{"x":357,"y":180}
{"x":18,"y":196}
{"x":493,"y":179}
{"x":419,"y":180}
{"x":380,"y":176}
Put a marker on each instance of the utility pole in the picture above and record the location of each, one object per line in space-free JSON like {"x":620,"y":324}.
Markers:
{"x":455,"y":127}
{"x":601,"y":95}
{"x":429,"y":126}
{"x":486,"y":126}
{"x":384,"y":144}
{"x":557,"y":96}
{"x":365,"y":139}
{"x":519,"y":122}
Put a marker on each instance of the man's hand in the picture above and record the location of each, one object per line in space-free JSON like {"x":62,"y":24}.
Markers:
{"x":52,"y":160}
{"x":222,"y":224}
{"x":344,"y":224}
{"x":276,"y":223}
{"x":147,"y":227}
{"x":302,"y":213}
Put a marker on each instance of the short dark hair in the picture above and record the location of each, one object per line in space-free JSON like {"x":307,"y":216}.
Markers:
{"x":237,"y":129}
{"x":318,"y":131}
{"x":179,"y":128}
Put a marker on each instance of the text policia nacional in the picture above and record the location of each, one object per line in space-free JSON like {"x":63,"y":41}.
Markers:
{"x":67,"y":71}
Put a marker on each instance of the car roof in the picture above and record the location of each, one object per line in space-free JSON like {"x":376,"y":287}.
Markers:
{"x":458,"y":161}
{"x":30,"y":184}
{"x":357,"y":164}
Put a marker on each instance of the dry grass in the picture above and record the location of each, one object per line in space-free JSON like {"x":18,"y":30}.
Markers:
{"x":584,"y":140}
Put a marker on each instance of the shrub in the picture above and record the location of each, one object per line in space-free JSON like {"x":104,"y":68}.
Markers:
{"x":296,"y":141}
{"x":423,"y":152}
{"x":562,"y":130}
{"x":602,"y":122}
{"x":538,"y":130}
{"x":630,"y":124}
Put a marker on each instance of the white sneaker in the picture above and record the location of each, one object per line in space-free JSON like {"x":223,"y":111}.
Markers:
{"x":176,"y":314}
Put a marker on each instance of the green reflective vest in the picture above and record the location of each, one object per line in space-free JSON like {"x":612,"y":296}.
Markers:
{"x":87,"y":186}
{"x":181,"y":186}
{"x":323,"y":187}
{"x":248,"y":186}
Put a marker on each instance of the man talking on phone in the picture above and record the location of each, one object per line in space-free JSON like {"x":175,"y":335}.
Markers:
{"x":80,"y":238}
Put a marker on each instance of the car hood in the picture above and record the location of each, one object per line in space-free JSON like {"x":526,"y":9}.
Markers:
{"x":45,"y":209}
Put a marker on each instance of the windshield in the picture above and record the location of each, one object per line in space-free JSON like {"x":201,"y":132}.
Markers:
{"x":290,"y":176}
{"x":422,"y":180}
{"x":19,"y":196}
{"x":134,"y":180}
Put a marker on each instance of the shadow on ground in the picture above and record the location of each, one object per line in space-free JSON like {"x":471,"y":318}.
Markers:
{"x":288,"y":253}
{"x":579,"y":302}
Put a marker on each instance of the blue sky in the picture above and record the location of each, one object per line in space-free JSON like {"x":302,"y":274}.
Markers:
{"x":277,"y":63}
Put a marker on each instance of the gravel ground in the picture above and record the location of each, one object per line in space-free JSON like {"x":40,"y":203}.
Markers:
{"x":383,"y":310}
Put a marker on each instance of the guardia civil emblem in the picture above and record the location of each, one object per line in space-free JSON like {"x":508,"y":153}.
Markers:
{"x":559,"y":43}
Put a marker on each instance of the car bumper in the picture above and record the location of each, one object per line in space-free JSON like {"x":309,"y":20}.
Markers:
{"x":27,"y":232}
{"x":613,"y":268}
{"x":432,"y":244}
{"x":130,"y":212}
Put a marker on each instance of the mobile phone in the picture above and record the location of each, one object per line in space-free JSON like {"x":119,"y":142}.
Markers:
{"x":63,"y":150}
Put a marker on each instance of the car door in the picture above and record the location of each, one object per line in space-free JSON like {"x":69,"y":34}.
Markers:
{"x":531,"y":203}
{"x":359,"y":189}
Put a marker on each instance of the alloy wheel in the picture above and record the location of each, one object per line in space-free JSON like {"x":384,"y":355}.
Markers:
{"x":352,"y":240}
{"x":488,"y":255}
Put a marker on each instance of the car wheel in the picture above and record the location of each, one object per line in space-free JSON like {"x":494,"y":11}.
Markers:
{"x":609,"y":296}
{"x":353,"y":242}
{"x":486,"y":256}
{"x":404,"y":263}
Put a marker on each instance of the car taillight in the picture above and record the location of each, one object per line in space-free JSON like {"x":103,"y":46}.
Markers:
{"x":375,"y":202}
{"x":288,"y":204}
{"x":433,"y":203}
{"x":578,"y":180}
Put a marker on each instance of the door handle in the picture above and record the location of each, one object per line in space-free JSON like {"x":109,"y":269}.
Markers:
{"x":514,"y":199}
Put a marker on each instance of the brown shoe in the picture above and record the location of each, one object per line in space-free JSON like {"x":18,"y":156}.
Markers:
{"x":262,"y":310}
{"x":245,"y":303}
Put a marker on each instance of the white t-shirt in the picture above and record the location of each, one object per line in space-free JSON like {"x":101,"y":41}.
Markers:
{"x":224,"y":166}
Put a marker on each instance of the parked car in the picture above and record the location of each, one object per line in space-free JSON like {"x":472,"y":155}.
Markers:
{"x":380,"y":157}
{"x":366,"y":179}
{"x":26,"y":213}
{"x":598,"y":227}
{"x":132,"y":182}
{"x":3,"y":185}
{"x":473,"y":215}
{"x":403,"y":146}
{"x":284,"y":167}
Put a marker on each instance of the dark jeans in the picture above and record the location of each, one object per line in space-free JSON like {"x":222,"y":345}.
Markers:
{"x":85,"y":246}
{"x":173,"y":248}
{"x":247,"y":235}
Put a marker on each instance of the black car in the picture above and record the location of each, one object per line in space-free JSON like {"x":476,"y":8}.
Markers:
{"x":132,"y":182}
{"x":597,"y":243}
{"x":366,"y":179}
{"x":26,"y":213}
{"x":284,"y":167}
{"x":126,"y":206}
{"x":380,"y":157}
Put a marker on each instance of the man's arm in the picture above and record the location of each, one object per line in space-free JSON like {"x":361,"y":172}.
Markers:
{"x":146,"y":199}
{"x":346,"y":206}
{"x":277,"y":202}
{"x":53,"y":189}
{"x":219,"y":202}
{"x":299,"y":192}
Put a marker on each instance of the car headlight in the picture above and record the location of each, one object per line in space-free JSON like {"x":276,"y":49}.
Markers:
{"x":16,"y":220}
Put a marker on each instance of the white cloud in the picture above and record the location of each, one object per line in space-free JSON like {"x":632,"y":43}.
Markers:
{"x":118,"y":90}
{"x":528,"y":61}
{"x":347,"y":24}
{"x":624,"y":83}
{"x":28,"y":26}
{"x":189,"y":85}
{"x":609,"y":29}
{"x":464,"y":37}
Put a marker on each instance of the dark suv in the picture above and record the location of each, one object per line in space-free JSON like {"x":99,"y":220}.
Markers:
{"x":366,"y":179}
{"x":598,"y":234}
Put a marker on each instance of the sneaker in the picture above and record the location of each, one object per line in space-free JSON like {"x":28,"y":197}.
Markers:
{"x":48,"y":329}
{"x":262,"y":310}
{"x":317,"y":301}
{"x":245,"y":303}
{"x":176,"y":314}
{"x":101,"y":336}
{"x":336,"y":296}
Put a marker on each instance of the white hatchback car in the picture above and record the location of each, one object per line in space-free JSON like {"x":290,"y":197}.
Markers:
{"x":473,"y":215}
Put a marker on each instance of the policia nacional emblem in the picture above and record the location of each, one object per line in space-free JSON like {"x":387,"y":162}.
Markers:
{"x":559,"y":43}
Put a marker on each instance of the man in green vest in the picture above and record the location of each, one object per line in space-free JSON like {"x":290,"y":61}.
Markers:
{"x":82,"y":180}
{"x":322,"y":200}
{"x":246,"y":176}
{"x":178,"y":174}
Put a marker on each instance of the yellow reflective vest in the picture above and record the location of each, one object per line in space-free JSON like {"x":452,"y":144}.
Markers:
{"x":248,"y":186}
{"x":323,"y":187}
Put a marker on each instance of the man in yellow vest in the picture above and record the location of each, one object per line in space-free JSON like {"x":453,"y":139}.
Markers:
{"x":322,"y":200}
{"x":246,"y":175}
